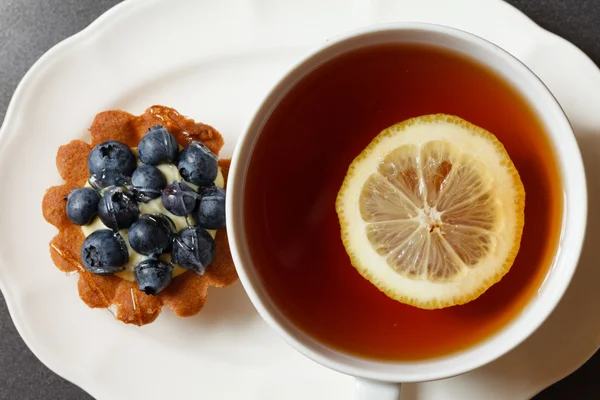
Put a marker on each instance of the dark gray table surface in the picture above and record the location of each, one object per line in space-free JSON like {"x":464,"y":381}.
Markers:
{"x":30,"y":27}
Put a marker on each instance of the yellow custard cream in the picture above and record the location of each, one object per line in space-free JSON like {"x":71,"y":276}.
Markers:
{"x":154,"y":206}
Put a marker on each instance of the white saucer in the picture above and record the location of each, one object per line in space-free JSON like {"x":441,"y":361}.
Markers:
{"x":213,"y":60}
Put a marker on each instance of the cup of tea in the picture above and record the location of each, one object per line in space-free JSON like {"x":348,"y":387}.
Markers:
{"x":424,"y":259}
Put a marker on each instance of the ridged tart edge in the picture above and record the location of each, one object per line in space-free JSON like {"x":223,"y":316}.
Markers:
{"x":187,"y":293}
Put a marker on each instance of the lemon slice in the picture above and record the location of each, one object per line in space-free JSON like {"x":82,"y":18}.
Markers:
{"x":432,"y":211}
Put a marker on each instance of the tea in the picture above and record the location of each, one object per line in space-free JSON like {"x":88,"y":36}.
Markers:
{"x":299,"y":163}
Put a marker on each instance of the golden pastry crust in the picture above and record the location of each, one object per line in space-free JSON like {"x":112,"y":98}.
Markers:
{"x":187,"y":292}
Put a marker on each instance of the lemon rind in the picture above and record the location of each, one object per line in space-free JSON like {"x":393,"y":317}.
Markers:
{"x":518,"y":209}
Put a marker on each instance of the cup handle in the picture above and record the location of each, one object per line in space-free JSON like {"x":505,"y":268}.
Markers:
{"x":376,"y":390}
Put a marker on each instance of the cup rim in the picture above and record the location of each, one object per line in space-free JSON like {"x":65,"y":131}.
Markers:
{"x":552,"y":289}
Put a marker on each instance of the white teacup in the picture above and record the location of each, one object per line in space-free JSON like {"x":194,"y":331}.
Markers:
{"x":379,"y":379}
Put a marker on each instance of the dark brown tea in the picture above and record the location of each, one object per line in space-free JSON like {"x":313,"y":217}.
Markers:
{"x":301,"y":159}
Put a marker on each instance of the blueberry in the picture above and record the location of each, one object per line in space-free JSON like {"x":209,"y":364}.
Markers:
{"x":110,"y":163}
{"x":210,"y":213}
{"x":179,"y":199}
{"x":198,"y":165}
{"x":153,"y":276}
{"x":158,"y":146}
{"x":151,"y":235}
{"x":194,"y":249}
{"x":104,"y":252}
{"x":118,"y":209}
{"x":148,"y":183}
{"x":82,"y":205}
